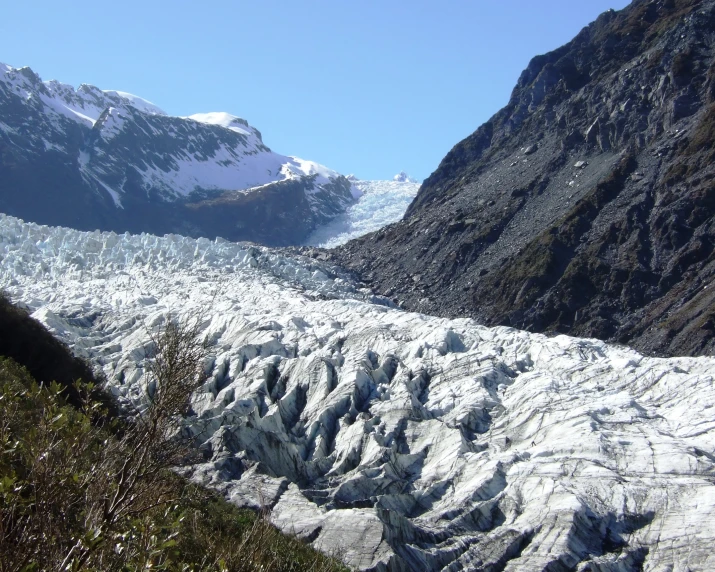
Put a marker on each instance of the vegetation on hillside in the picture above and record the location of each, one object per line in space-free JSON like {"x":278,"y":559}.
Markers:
{"x":28,"y":342}
{"x":82,"y":490}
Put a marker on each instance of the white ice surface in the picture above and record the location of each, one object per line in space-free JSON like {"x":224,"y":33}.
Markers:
{"x":380,"y":203}
{"x":403,"y":177}
{"x":400,"y":441}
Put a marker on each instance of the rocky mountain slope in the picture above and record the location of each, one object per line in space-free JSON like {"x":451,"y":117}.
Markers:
{"x":93,"y":159}
{"x":397,"y":440}
{"x":585,"y":206}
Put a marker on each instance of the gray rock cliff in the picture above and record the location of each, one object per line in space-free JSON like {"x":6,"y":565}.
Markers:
{"x":585,"y":206}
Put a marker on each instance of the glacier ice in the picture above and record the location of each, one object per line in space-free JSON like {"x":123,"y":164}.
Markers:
{"x":403,"y":177}
{"x":380,"y":203}
{"x":397,"y":440}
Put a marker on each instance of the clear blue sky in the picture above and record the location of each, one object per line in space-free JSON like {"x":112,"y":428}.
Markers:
{"x":369,"y":87}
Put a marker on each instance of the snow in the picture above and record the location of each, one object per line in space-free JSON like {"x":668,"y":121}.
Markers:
{"x":113,"y":121}
{"x":222,"y":119}
{"x":69,"y":111}
{"x":380,"y":203}
{"x":231,"y":168}
{"x":116,"y":197}
{"x":234,"y":161}
{"x":398,"y":440}
{"x":295,"y":168}
{"x":301,"y":167}
{"x":84,"y":105}
{"x":137,"y":102}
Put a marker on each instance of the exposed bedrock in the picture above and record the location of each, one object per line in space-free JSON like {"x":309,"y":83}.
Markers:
{"x":586,"y":205}
{"x":92,"y":159}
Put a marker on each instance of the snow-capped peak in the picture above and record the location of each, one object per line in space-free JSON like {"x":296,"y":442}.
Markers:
{"x":135,"y":101}
{"x":226,"y":120}
{"x":403,"y":177}
{"x":84,"y":104}
{"x":190,"y":157}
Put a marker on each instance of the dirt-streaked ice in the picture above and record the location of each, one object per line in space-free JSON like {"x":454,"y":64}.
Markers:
{"x":399,"y":441}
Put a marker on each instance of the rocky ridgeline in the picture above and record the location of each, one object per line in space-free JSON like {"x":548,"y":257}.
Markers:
{"x":396,"y":440}
{"x":586,"y":205}
{"x":92,"y":159}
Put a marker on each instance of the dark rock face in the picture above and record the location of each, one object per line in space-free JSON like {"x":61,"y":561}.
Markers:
{"x":585,"y":206}
{"x":90,"y":159}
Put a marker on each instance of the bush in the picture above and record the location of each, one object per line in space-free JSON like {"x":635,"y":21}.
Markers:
{"x":78,"y":495}
{"x":28,"y":342}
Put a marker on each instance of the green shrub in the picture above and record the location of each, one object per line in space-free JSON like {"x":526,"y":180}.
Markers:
{"x":28,"y":342}
{"x":79,"y":495}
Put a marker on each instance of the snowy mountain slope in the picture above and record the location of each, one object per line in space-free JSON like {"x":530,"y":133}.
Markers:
{"x":89,"y":158}
{"x":399,"y":440}
{"x":380,"y":203}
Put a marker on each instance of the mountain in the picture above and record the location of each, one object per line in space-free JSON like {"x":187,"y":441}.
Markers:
{"x":396,"y":440}
{"x":585,"y":206}
{"x":380,"y":203}
{"x":403,"y":177}
{"x":93,"y":159}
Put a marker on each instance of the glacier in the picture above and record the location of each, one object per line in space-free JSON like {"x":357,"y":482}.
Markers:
{"x":395,"y":440}
{"x":379,"y":203}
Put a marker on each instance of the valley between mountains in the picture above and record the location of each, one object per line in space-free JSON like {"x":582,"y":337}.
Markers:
{"x":509,"y":367}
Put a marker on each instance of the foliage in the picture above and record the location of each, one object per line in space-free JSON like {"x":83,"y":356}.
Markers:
{"x":76,"y":494}
{"x":26,"y":341}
